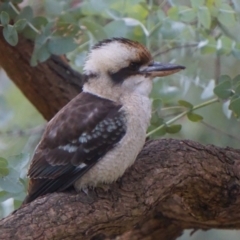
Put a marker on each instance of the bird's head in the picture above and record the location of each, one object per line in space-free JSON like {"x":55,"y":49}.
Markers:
{"x":120,"y":66}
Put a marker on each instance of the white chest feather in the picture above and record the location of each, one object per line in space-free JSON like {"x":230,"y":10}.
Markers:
{"x":113,"y":165}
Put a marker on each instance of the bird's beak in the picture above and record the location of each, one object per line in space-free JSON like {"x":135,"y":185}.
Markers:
{"x":156,"y":69}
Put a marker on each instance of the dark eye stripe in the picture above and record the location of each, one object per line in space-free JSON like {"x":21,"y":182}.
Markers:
{"x":119,"y":76}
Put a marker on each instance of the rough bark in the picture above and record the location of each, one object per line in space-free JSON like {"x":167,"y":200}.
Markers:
{"x":174,"y":185}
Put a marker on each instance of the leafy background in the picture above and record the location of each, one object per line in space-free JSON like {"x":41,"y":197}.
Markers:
{"x":201,"y":103}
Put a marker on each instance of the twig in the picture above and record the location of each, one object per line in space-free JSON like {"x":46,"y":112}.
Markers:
{"x":219,"y":131}
{"x":26,"y":132}
{"x":173,"y":48}
{"x":204,"y":104}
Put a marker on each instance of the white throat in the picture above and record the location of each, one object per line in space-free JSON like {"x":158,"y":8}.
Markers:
{"x":103,"y":87}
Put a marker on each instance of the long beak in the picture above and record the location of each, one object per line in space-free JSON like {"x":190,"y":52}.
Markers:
{"x":157,"y":69}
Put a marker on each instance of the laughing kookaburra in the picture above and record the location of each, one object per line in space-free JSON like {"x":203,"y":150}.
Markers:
{"x":98,"y":135}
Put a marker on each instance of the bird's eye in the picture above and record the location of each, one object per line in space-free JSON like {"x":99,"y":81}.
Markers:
{"x":134,"y":65}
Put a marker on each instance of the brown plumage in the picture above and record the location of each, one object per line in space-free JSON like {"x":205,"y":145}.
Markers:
{"x":99,"y":134}
{"x":55,"y":164}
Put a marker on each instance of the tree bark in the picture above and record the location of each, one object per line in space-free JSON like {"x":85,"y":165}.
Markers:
{"x":174,"y":185}
{"x":48,"y":86}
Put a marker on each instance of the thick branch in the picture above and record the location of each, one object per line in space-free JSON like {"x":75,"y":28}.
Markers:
{"x":173,"y":185}
{"x":49,"y":86}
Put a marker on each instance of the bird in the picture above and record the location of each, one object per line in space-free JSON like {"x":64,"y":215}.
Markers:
{"x":97,"y":136}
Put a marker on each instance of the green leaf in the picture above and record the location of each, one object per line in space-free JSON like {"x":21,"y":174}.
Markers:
{"x":224,"y":89}
{"x":185,"y":104}
{"x":4,"y":196}
{"x":158,"y":133}
{"x":96,"y":29}
{"x":236,"y":81}
{"x":173,"y":13}
{"x":11,"y":183}
{"x":237,"y":90}
{"x":20,"y":24}
{"x":204,"y":17}
{"x":3,"y":167}
{"x":66,"y":29}
{"x":224,"y":78}
{"x":131,"y":22}
{"x":4,"y":18}
{"x":41,"y":24}
{"x":116,"y":28}
{"x":173,"y":128}
{"x":26,"y":13}
{"x":224,"y":45}
{"x":61,"y":45}
{"x":17,"y":204}
{"x":226,"y":15}
{"x":236,"y":50}
{"x":16,"y":1}
{"x":186,"y":14}
{"x":19,"y":161}
{"x":53,"y":7}
{"x":4,"y":171}
{"x":235,"y":107}
{"x":10,"y":35}
{"x":41,"y":52}
{"x":157,"y":103}
{"x":156,"y":120}
{"x":3,"y":162}
{"x":209,"y":46}
{"x":197,"y":3}
{"x":194,"y":117}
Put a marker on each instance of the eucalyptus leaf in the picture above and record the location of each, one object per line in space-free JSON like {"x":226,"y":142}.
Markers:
{"x":194,"y":117}
{"x":235,"y":107}
{"x":226,"y":15}
{"x":236,"y":50}
{"x":159,"y":132}
{"x":16,"y":1}
{"x":3,"y":167}
{"x":237,"y":90}
{"x":185,"y":104}
{"x":3,"y":162}
{"x":26,"y":13}
{"x":10,"y":35}
{"x":3,"y":171}
{"x":187,"y":14}
{"x":96,"y":29}
{"x":197,"y":3}
{"x":204,"y":17}
{"x":20,"y":24}
{"x":157,"y":103}
{"x":11,"y":183}
{"x":224,"y":89}
{"x":173,"y":13}
{"x":19,"y":162}
{"x":236,"y":81}
{"x":4,"y":18}
{"x":61,"y":45}
{"x":173,"y":128}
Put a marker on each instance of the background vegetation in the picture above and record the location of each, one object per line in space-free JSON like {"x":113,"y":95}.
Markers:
{"x":201,"y":103}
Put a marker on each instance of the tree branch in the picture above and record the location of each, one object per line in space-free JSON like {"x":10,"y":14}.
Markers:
{"x":49,"y":86}
{"x":174,"y":185}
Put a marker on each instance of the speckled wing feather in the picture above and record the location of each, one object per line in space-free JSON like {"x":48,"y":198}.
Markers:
{"x":74,"y":140}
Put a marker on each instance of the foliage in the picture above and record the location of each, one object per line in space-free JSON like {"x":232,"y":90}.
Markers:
{"x":197,"y":34}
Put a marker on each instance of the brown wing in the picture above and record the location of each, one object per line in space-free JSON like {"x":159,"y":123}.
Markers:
{"x":75,"y":139}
